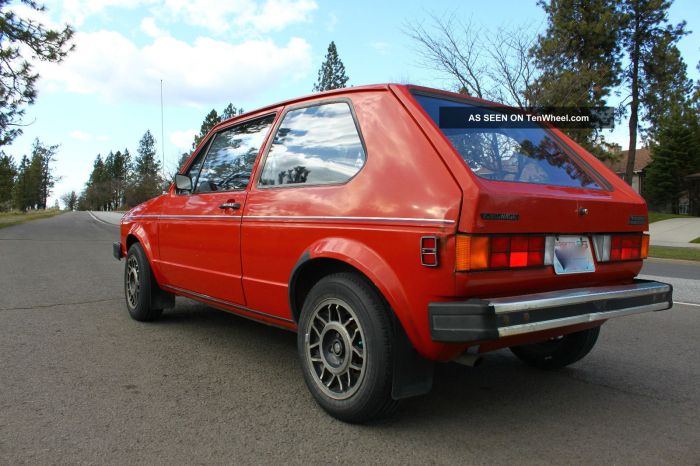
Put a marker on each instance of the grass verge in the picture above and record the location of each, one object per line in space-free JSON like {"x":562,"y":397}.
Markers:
{"x":658,"y":216}
{"x":7,"y":219}
{"x":667,"y":252}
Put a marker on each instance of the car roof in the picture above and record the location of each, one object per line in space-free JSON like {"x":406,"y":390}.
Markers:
{"x":297,"y":100}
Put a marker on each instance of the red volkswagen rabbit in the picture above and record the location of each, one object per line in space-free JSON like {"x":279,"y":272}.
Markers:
{"x":388,"y":241}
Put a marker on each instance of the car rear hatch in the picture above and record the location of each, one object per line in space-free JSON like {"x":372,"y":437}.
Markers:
{"x":533,"y":202}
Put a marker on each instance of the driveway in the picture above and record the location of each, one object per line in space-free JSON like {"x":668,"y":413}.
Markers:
{"x":675,"y":232}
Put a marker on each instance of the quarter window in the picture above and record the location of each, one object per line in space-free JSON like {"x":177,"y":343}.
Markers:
{"x":314,"y":146}
{"x":231,"y":156}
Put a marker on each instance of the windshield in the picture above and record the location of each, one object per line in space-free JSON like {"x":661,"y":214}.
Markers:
{"x":526,"y":155}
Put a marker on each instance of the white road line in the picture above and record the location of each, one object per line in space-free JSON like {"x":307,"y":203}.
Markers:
{"x":98,"y":219}
{"x":686,"y":304}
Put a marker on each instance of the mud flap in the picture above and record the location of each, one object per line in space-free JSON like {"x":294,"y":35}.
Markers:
{"x":413,"y":374}
{"x":161,"y":299}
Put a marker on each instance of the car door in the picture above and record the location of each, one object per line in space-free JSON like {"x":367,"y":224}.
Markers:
{"x":200,"y":230}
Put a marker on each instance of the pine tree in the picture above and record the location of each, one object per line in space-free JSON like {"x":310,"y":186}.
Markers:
{"x":146,"y":181}
{"x":45,"y":156}
{"x":675,"y":154}
{"x":230,"y":111}
{"x":580,"y":58}
{"x":332,"y":73}
{"x":23,"y":39}
{"x":27,"y":187}
{"x":8,"y":172}
{"x":647,"y":37}
{"x":212,"y":119}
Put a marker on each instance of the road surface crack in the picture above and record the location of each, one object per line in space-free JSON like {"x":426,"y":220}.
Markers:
{"x":45,"y":306}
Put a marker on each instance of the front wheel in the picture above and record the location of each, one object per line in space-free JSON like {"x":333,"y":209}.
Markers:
{"x":558,"y":352}
{"x":345,"y":347}
{"x":139,"y":283}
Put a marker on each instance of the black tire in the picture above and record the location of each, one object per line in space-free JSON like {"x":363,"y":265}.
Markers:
{"x":558,"y":352}
{"x":138,"y":285}
{"x":357,"y":333}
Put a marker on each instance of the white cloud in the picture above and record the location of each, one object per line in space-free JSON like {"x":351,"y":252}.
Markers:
{"x":214,"y":15}
{"x":80,"y":135}
{"x":274,"y":15}
{"x":332,"y":22}
{"x":75,"y":12}
{"x":381,"y":47}
{"x":149,"y":27}
{"x":183,"y":139}
{"x":241,"y":16}
{"x":204,"y":72}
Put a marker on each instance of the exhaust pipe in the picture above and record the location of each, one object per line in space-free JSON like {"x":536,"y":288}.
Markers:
{"x":469,"y":358}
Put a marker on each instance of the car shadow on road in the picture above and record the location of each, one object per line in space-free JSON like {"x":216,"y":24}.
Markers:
{"x":501,"y":391}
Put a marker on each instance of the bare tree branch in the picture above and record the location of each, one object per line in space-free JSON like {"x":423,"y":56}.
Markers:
{"x":493,"y":66}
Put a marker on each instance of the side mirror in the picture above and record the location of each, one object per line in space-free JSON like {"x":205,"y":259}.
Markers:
{"x":183,"y":182}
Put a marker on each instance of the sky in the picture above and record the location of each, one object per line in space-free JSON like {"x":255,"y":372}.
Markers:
{"x":251,"y":53}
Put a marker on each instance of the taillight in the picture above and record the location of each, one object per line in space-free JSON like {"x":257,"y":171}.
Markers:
{"x":616,"y":248}
{"x":499,"y":252}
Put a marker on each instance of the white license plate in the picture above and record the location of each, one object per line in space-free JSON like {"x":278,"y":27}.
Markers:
{"x":572,"y":254}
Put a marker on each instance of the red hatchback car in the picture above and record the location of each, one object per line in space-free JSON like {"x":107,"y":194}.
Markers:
{"x":389,"y":242}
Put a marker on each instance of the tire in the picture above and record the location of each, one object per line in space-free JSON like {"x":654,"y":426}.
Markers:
{"x":557,"y":353}
{"x":138,"y":285}
{"x":344,"y":343}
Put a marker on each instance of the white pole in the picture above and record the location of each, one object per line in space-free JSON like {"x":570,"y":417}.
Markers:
{"x":162,"y":129}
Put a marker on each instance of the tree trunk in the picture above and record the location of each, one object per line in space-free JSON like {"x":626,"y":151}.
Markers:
{"x":634,"y":107}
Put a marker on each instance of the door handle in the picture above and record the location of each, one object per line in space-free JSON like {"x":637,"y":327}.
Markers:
{"x":230,"y":205}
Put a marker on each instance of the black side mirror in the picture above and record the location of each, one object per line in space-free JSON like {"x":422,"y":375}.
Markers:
{"x":183,"y":182}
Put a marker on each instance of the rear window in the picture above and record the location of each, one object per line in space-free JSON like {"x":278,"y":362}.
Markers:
{"x":525,"y":155}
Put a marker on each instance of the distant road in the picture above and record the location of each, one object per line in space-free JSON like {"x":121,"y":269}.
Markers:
{"x":80,"y":382}
{"x":683,"y":275}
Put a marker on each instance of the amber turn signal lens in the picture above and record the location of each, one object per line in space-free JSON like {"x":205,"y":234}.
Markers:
{"x":645,"y":246}
{"x":472,"y":252}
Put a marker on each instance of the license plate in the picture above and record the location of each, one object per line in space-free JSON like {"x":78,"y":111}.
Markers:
{"x":572,"y":254}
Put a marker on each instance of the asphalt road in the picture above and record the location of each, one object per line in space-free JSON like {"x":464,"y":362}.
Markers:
{"x":80,"y":382}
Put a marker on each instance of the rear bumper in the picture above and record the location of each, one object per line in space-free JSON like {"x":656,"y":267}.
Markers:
{"x":479,"y":320}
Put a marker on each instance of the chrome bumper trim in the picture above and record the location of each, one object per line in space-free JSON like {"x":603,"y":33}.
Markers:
{"x":580,"y":319}
{"x":577,"y":296}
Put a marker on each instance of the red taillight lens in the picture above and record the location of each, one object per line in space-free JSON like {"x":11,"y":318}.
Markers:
{"x":622,"y":247}
{"x":499,"y":252}
{"x":625,"y":248}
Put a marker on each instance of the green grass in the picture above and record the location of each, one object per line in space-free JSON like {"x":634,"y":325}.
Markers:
{"x":8,"y":219}
{"x":696,"y":240}
{"x":658,"y":216}
{"x":667,"y":252}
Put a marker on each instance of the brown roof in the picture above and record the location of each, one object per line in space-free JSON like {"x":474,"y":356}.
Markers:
{"x":642,"y":158}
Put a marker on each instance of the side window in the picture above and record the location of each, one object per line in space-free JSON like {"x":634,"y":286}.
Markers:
{"x":231,"y":156}
{"x":193,"y":171}
{"x":314,"y":145}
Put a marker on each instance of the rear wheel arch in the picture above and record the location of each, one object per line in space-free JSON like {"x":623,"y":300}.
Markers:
{"x":333,"y":255}
{"x":308,"y":272}
{"x":412,"y":375}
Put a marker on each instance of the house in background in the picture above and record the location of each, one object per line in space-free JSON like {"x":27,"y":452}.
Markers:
{"x":642,"y":159}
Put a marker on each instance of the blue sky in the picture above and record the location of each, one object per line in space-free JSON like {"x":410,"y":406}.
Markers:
{"x":247,"y":52}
